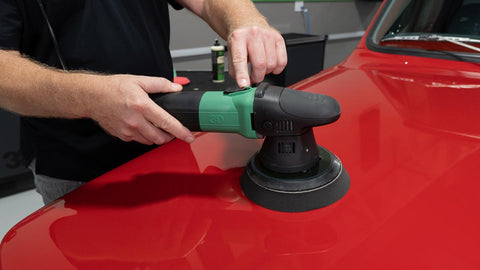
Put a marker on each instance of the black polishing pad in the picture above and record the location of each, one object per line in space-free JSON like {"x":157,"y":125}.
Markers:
{"x":315,"y":188}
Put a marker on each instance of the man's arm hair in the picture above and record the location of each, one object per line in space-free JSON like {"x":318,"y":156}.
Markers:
{"x":33,"y":89}
{"x":119,"y":103}
{"x":225,"y":16}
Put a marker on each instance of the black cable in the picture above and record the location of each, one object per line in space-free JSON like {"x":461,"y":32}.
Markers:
{"x":52,"y":35}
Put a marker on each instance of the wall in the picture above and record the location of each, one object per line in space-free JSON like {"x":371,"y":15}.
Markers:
{"x":325,"y":18}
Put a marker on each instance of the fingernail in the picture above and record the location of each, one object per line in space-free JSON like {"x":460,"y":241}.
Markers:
{"x":243,"y":83}
{"x":176,"y":86}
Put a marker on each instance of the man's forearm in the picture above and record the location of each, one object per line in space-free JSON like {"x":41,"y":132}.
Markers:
{"x":225,"y":16}
{"x":31,"y":89}
{"x":118,"y":103}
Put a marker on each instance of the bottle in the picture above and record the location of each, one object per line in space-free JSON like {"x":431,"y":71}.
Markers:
{"x":218,"y":62}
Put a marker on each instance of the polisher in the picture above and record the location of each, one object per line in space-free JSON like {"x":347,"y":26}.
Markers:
{"x":290,"y":173}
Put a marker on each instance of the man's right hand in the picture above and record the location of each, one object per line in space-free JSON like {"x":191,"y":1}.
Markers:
{"x":125,"y":110}
{"x":119,"y":103}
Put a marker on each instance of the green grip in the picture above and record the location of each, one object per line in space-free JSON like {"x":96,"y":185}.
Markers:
{"x":228,"y":112}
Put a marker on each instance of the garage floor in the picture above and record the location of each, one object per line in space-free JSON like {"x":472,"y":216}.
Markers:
{"x":16,"y":207}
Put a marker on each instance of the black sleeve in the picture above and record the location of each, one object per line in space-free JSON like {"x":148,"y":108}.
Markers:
{"x":175,"y":5}
{"x":10,"y":25}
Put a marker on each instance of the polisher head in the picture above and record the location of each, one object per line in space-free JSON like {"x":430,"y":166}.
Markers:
{"x":321,"y":185}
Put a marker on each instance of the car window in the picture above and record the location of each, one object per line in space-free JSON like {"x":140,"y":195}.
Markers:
{"x":431,"y":25}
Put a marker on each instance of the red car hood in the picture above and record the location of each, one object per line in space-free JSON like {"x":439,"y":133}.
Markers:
{"x":408,"y":137}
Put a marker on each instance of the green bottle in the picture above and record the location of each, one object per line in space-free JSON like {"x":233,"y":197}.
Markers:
{"x":218,"y":62}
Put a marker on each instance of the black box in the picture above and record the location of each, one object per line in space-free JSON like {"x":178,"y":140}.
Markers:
{"x":305,"y":58}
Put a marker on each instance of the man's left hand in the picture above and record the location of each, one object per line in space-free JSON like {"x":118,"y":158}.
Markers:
{"x":261,"y":46}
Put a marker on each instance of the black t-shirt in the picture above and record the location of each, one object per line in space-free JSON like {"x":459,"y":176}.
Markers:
{"x":108,"y":36}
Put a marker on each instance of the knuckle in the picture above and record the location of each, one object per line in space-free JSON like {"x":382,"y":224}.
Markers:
{"x":238,"y":58}
{"x":255,"y":30}
{"x":130,"y":124}
{"x":271,"y":67}
{"x":234,"y":35}
{"x":125,"y":137}
{"x":237,"y":34}
{"x":138,"y":105}
{"x":282,"y":63}
{"x":162,"y":82}
{"x":277,"y":35}
{"x":163,"y":139}
{"x":260,"y":63}
{"x":126,"y":133}
{"x":277,"y":71}
{"x":160,"y":141}
{"x":165,"y":122}
{"x":147,"y":142}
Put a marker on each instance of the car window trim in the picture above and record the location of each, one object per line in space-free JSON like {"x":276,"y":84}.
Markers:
{"x":371,"y":45}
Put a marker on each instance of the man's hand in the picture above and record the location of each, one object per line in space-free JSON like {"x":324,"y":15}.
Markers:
{"x":125,"y":110}
{"x":250,"y":38}
{"x":262,"y":46}
{"x":119,"y":103}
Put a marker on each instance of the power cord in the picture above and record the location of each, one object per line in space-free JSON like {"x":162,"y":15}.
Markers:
{"x":52,"y":35}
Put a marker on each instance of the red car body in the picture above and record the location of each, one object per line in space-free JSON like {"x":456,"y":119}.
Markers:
{"x":408,"y":136}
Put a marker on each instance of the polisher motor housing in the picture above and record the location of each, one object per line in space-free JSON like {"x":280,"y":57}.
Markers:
{"x":291,"y":173}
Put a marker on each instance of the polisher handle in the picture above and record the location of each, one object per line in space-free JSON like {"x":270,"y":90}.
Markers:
{"x":182,"y":105}
{"x":216,"y":111}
